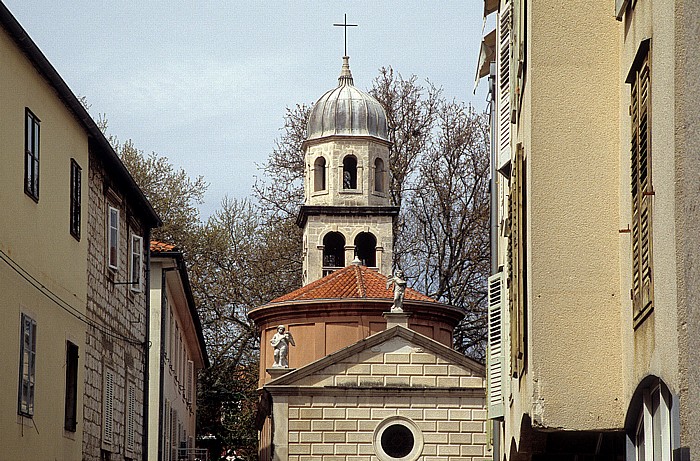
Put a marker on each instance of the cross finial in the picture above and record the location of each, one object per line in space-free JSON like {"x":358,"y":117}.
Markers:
{"x":345,"y":26}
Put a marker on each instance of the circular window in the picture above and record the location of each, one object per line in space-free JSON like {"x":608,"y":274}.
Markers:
{"x":398,"y":439}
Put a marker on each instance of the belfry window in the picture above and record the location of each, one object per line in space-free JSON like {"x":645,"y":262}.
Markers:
{"x":333,"y":252}
{"x":366,"y":249}
{"x":350,"y":172}
{"x":379,"y":175}
{"x":320,"y":174}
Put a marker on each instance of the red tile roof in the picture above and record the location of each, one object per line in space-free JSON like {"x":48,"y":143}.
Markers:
{"x":350,"y":282}
{"x":158,"y":247}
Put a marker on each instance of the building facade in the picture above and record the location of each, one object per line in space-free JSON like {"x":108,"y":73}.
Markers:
{"x":177,"y":355}
{"x":591,"y":349}
{"x":73,"y":271}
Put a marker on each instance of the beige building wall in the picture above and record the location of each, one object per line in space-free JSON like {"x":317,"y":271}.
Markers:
{"x":39,"y":260}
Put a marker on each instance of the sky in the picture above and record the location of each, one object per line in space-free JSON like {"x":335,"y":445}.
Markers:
{"x":206,"y":83}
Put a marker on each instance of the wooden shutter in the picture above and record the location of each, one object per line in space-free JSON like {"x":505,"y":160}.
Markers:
{"x":108,"y":407}
{"x":516,"y":265}
{"x":496,"y":345}
{"x":642,"y":192}
{"x":503,"y":100}
{"x":130,"y":417}
{"x":189,"y":394}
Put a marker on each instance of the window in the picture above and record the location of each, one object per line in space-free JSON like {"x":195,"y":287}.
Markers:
{"x":113,"y":238}
{"x":642,"y":188}
{"x":366,"y":249}
{"x":31,"y":155}
{"x":350,"y":172}
{"x":130,"y":417}
{"x":27,"y":366}
{"x":75,"y":182}
{"x":136,"y":257}
{"x":398,"y":438}
{"x":379,"y":175}
{"x":652,"y":437}
{"x":108,"y":407}
{"x":333,"y":252}
{"x":70,"y":419}
{"x":320,"y":174}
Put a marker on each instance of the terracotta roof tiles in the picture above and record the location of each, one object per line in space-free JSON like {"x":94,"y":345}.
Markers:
{"x":352,"y":281}
{"x":158,"y":247}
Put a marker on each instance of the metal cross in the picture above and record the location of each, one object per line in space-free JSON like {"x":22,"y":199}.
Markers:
{"x":345,"y":25}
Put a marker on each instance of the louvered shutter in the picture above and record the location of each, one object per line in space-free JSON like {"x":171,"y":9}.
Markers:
{"x":642,"y":191}
{"x":108,"y":407}
{"x":496,"y":346}
{"x":503,"y":84}
{"x":130,"y":417}
{"x":189,"y":395}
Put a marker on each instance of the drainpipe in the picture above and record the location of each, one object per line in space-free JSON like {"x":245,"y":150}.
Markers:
{"x":147,"y":347}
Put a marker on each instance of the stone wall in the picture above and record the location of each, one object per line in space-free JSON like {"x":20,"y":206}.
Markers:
{"x":119,"y":344}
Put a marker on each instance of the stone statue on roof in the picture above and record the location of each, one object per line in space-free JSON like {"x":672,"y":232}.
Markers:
{"x":399,"y":289}
{"x":280,"y":342}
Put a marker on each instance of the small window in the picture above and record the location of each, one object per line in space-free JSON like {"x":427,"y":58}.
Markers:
{"x":136,"y":258}
{"x":70,"y":420}
{"x":75,"y":183}
{"x":113,"y":238}
{"x":350,"y":172}
{"x":27,"y":366}
{"x":398,"y":438}
{"x":379,"y":175}
{"x":320,"y":174}
{"x":31,"y":155}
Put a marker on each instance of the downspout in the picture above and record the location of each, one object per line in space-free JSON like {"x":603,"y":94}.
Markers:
{"x":147,"y":347}
{"x":161,"y":382}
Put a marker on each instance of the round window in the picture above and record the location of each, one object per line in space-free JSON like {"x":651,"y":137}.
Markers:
{"x":398,"y":439}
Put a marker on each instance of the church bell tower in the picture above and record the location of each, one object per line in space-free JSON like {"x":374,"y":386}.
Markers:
{"x":347,"y":213}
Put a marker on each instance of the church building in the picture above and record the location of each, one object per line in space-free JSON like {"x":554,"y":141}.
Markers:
{"x":351,"y":369}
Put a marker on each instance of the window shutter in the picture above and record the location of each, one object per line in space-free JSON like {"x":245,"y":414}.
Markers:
{"x":503,"y":84}
{"x":108,"y":407}
{"x":190,"y":381}
{"x":496,"y":346}
{"x":130,"y":417}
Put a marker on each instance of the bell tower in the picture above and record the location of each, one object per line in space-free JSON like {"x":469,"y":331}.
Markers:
{"x":347,"y":212}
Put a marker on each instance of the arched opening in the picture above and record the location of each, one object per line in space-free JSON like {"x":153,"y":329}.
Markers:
{"x":350,"y":172}
{"x":379,"y":175}
{"x":366,"y":249}
{"x":333,"y":252}
{"x":320,"y":174}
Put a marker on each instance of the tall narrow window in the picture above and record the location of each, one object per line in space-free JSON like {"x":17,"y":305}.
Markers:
{"x":366,"y":249}
{"x":113,"y":238}
{"x":27,"y":366}
{"x":75,"y":183}
{"x":379,"y":175}
{"x":70,"y":419}
{"x":31,"y":155}
{"x":642,"y":188}
{"x":320,"y":174}
{"x":136,"y":258}
{"x":350,"y":172}
{"x":108,"y":407}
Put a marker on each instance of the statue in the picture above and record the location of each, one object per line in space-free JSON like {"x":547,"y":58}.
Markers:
{"x":280,"y":342}
{"x":399,"y":289}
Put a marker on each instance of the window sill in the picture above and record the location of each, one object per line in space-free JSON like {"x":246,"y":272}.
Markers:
{"x":350,"y":191}
{"x":319,"y":192}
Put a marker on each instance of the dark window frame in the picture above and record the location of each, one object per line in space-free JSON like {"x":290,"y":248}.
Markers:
{"x":32,"y":143}
{"x":75,"y":198}
{"x":70,"y":422}
{"x":27,"y":366}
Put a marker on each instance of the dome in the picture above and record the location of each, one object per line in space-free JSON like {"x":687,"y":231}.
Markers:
{"x":347,"y":111}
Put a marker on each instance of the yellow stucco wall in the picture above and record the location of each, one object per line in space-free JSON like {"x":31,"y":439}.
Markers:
{"x":36,"y":237}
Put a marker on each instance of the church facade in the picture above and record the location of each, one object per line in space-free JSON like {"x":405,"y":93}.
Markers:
{"x":368,"y":372}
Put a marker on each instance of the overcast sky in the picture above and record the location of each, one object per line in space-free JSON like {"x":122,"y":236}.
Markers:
{"x":206,"y":83}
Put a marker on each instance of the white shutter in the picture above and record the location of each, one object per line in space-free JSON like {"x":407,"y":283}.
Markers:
{"x":496,"y":346}
{"x":108,"y":407}
{"x":503,"y":85}
{"x":189,"y":393}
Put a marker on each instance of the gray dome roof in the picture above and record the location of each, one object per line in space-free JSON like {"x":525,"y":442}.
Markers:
{"x":347,"y":111}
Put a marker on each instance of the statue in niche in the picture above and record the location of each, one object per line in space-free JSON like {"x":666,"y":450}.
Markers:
{"x":399,"y":289}
{"x":281,"y":342}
